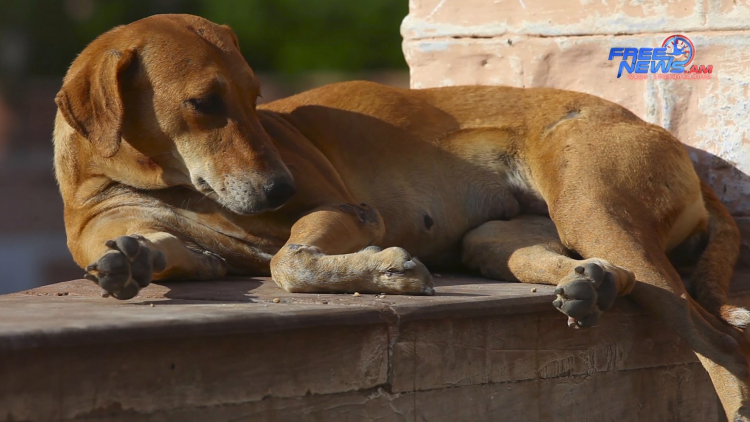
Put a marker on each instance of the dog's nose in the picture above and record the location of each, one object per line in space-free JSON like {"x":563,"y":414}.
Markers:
{"x":278,"y":192}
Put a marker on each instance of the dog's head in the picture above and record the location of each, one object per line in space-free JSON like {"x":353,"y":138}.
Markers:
{"x":169,"y":101}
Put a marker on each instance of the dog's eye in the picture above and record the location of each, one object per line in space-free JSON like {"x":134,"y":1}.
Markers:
{"x":210,"y":104}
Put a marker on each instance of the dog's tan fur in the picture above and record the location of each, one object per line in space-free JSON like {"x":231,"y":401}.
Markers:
{"x":158,"y":136}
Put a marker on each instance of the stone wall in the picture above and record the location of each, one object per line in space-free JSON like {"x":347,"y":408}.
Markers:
{"x":566,"y":44}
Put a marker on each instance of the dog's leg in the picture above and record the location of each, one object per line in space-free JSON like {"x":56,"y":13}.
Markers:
{"x":616,"y":192}
{"x":721,"y":348}
{"x":527,"y":249}
{"x":123,"y":256}
{"x":328,"y":251}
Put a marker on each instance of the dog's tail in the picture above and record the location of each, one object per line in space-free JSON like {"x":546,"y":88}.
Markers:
{"x":713,"y":270}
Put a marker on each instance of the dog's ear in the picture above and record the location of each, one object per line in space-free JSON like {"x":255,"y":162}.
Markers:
{"x":91,"y":100}
{"x":233,"y":35}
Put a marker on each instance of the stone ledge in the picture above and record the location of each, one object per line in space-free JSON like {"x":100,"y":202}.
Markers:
{"x":225,"y":350}
{"x":68,"y":313}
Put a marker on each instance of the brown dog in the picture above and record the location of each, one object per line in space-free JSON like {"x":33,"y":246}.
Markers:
{"x":169,"y":170}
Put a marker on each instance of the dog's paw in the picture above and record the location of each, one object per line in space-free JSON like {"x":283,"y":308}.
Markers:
{"x":399,"y":273}
{"x":126,"y":268}
{"x":585,"y":293}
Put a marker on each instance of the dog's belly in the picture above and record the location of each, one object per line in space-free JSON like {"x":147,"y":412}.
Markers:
{"x":463,"y":180}
{"x":431,"y":216}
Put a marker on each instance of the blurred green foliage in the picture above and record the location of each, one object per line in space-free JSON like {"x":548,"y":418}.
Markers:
{"x":42,"y":37}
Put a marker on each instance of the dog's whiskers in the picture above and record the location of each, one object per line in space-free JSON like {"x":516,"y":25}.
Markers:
{"x":206,"y":195}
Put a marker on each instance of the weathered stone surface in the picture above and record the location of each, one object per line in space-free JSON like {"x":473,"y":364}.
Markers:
{"x":63,"y":321}
{"x":453,"y":352}
{"x":727,"y":15}
{"x":479,"y":350}
{"x":568,"y":63}
{"x":588,"y":399}
{"x":356,"y":406}
{"x":486,"y":19}
{"x":603,"y":398}
{"x":159,"y":375}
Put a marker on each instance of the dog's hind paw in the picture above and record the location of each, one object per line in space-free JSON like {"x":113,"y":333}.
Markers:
{"x":591,"y":288}
{"x":126,"y":268}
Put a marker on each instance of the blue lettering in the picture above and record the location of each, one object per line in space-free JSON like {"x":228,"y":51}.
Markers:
{"x":614,"y":52}
{"x":632,"y":53}
{"x":661,"y":54}
{"x":644,"y":54}
{"x":662,"y":65}
{"x":641,"y":67}
{"x":627,"y":66}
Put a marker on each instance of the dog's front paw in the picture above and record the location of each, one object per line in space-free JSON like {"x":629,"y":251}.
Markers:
{"x":585,"y":293}
{"x":399,"y":273}
{"x":126,"y":268}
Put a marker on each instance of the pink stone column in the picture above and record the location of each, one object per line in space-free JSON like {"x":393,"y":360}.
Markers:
{"x":566,"y":43}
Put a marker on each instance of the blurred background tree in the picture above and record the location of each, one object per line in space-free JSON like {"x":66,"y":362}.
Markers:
{"x":292,"y":45}
{"x":41,"y":37}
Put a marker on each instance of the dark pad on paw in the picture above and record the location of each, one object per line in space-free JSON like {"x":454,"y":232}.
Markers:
{"x":579,"y":289}
{"x":595,"y":272}
{"x":112,"y":263}
{"x":113,"y":281}
{"x":127,"y":245}
{"x":142,"y":267}
{"x":160,"y":263}
{"x":576,"y":308}
{"x":607,"y":292}
{"x":591,"y":319}
{"x":129,"y":291}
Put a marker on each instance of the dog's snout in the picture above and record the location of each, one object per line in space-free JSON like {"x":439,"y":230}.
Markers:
{"x":278,"y":192}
